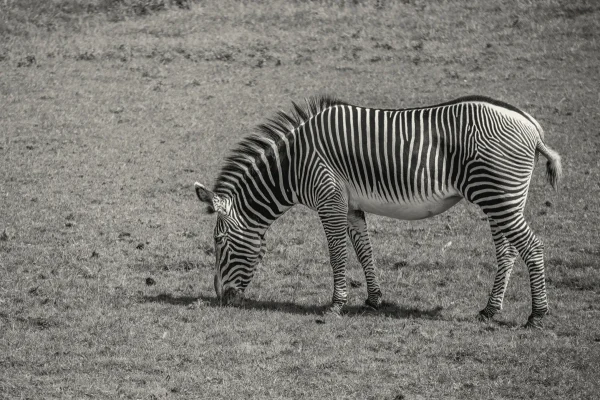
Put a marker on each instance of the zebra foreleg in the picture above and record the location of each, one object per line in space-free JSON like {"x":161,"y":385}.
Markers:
{"x":506,"y":254}
{"x":333,"y":215}
{"x":359,"y":236}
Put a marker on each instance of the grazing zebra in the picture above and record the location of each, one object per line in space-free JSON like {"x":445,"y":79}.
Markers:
{"x":342,"y":161}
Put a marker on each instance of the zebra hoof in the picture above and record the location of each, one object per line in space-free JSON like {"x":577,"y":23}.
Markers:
{"x":486,"y":314}
{"x":373,"y":304}
{"x":331,"y":314}
{"x":534,"y":322}
{"x":481,"y":317}
{"x":335,"y":308}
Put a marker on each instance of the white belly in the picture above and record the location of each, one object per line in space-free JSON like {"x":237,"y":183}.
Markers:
{"x":404,"y":210}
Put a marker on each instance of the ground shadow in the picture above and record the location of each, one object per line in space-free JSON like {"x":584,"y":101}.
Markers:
{"x":170,"y":299}
{"x":387,"y":309}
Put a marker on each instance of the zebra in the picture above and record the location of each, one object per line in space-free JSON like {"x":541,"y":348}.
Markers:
{"x":343,"y":161}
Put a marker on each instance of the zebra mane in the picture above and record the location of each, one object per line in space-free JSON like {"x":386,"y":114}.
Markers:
{"x":251,"y":149}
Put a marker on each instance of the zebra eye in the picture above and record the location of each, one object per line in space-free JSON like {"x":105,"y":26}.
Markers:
{"x":220,"y":239}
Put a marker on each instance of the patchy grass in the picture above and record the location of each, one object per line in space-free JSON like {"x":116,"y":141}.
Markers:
{"x":105,"y":255}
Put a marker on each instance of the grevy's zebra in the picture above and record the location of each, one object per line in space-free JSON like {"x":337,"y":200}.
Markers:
{"x":342,"y":161}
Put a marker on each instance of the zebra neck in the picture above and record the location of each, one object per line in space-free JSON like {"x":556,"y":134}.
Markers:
{"x":256,"y":211}
{"x":261,"y":186}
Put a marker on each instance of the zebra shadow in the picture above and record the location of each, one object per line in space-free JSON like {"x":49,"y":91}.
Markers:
{"x":387,"y":309}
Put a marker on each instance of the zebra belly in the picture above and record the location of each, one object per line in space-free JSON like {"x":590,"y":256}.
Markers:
{"x":400,"y":209}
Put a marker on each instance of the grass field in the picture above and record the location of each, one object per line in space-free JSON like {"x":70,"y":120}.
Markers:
{"x":109,"y":113}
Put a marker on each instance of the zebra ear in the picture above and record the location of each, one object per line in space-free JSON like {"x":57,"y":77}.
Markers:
{"x":205,"y":196}
{"x":214,"y":202}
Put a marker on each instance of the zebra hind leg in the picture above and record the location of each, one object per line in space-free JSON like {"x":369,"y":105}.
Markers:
{"x":506,"y":254}
{"x":531,"y":250}
{"x":359,"y":236}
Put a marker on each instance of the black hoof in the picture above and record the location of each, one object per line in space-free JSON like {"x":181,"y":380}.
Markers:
{"x":486,"y":314}
{"x":482,"y":317}
{"x":534,"y":323}
{"x":331,"y":314}
{"x":373,"y":304}
{"x":334,"y":309}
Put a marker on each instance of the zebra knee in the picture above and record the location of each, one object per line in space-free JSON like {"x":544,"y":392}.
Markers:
{"x":535,"y":250}
{"x":526,"y":243}
{"x":535,"y":242}
{"x":512,"y":252}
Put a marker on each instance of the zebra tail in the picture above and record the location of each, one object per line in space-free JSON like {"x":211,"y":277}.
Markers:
{"x":553,"y":165}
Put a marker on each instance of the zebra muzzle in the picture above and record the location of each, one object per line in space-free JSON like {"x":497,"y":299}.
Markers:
{"x":233,"y":297}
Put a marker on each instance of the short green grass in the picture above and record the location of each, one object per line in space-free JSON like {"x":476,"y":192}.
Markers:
{"x":107,"y":118}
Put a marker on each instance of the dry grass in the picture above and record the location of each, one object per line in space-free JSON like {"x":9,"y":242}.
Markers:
{"x":107,"y":122}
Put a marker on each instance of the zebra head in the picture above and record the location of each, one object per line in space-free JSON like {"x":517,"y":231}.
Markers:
{"x":237,"y":249}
